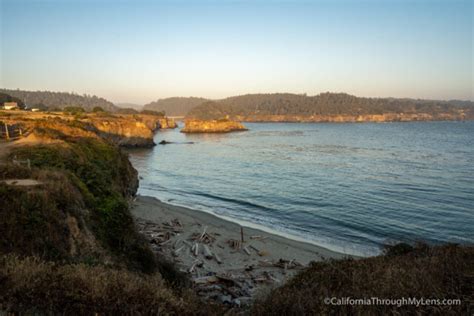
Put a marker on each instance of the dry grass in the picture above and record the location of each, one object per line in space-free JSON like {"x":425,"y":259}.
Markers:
{"x":33,"y":286}
{"x":424,"y":272}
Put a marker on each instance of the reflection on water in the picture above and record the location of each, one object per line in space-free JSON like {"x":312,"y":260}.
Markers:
{"x":349,"y":187}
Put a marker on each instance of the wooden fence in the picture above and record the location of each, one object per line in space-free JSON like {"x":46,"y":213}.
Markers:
{"x":11,"y":131}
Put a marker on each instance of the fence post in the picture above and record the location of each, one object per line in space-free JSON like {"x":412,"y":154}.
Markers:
{"x":6,"y":131}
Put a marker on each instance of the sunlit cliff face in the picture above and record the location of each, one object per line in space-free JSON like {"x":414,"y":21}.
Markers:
{"x":212,"y":126}
{"x":388,"y":117}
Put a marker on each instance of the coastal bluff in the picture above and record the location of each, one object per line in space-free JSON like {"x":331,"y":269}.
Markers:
{"x":212,"y":126}
{"x":131,"y":130}
{"x":124,"y":130}
{"x":330,"y":107}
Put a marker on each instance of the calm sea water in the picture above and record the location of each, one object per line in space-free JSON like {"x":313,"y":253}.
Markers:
{"x":348,"y":187}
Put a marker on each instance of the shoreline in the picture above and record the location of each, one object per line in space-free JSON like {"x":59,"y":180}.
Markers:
{"x":258,"y":227}
{"x":226,"y":262}
{"x":160,"y":208}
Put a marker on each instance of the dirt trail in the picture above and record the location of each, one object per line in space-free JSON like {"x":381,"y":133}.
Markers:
{"x":22,"y":182}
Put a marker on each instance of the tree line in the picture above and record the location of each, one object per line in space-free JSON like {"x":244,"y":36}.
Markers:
{"x":48,"y":100}
{"x":322,"y":104}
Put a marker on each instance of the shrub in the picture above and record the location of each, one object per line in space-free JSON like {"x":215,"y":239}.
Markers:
{"x":442,"y":272}
{"x":97,"y":109}
{"x":397,"y":249}
{"x":127,"y":111}
{"x":33,"y":221}
{"x":33,"y":286}
{"x":73,"y":110}
{"x":150,"y":112}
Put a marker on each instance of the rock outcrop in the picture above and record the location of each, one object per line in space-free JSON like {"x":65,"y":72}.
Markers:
{"x":330,"y":107}
{"x":131,"y":130}
{"x":212,"y":126}
{"x":386,"y":117}
{"x":167,"y":123}
{"x":126,"y":132}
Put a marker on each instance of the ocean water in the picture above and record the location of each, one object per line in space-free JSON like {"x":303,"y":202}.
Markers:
{"x":347,"y":187}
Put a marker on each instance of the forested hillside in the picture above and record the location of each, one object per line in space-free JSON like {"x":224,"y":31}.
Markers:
{"x":257,"y":106}
{"x":53,"y":100}
{"x":176,"y":106}
{"x":8,"y":98}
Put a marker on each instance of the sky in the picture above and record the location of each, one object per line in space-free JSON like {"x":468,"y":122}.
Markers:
{"x":140,"y":51}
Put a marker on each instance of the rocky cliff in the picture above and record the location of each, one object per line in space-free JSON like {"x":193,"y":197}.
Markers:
{"x":330,"y":107}
{"x":212,"y":126}
{"x":386,"y":117}
{"x":127,"y":132}
{"x":130,"y":130}
{"x":167,"y":123}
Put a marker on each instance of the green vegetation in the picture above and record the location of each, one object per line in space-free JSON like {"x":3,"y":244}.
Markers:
{"x":323,"y":104}
{"x":4,"y":97}
{"x":155,"y":113}
{"x":33,"y":222}
{"x":69,"y":243}
{"x":53,"y":100}
{"x":106,"y":179}
{"x":443,"y":272}
{"x":176,"y":106}
{"x":73,"y":110}
{"x":127,"y":111}
{"x":98,"y":109}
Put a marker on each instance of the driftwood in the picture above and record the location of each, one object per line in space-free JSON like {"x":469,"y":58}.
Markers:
{"x":258,"y":237}
{"x":247,"y":251}
{"x":188,"y":243}
{"x":191,"y":270}
{"x":177,"y":251}
{"x":165,"y":242}
{"x":176,"y":222}
{"x":254,"y":248}
{"x":235,"y":244}
{"x":206,"y":279}
{"x":229,"y":279}
{"x":264,"y":263}
{"x":207,"y":252}
{"x":284,"y":264}
{"x":204,"y":237}
{"x":203,"y":233}
{"x":218,"y":259}
{"x":195,"y":249}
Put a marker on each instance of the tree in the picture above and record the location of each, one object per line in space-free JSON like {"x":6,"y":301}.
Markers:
{"x":97,"y":109}
{"x":73,"y":110}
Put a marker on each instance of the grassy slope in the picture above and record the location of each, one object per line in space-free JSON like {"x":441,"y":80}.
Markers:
{"x":425,"y":272}
{"x":89,"y":256}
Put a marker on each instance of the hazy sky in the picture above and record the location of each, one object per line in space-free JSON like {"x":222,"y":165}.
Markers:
{"x":139,"y":51}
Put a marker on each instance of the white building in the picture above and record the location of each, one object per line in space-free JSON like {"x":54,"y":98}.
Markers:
{"x":11,"y":106}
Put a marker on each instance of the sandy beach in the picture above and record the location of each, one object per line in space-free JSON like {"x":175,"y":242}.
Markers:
{"x":243,"y":269}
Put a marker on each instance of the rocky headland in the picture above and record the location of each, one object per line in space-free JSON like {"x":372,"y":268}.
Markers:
{"x":330,"y":107}
{"x":212,"y":126}
{"x":125,"y":130}
{"x":385,"y":117}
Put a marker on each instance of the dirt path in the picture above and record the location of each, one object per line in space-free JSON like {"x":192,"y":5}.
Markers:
{"x":22,"y":182}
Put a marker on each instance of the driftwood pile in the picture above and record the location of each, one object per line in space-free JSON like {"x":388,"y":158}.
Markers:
{"x":235,"y":287}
